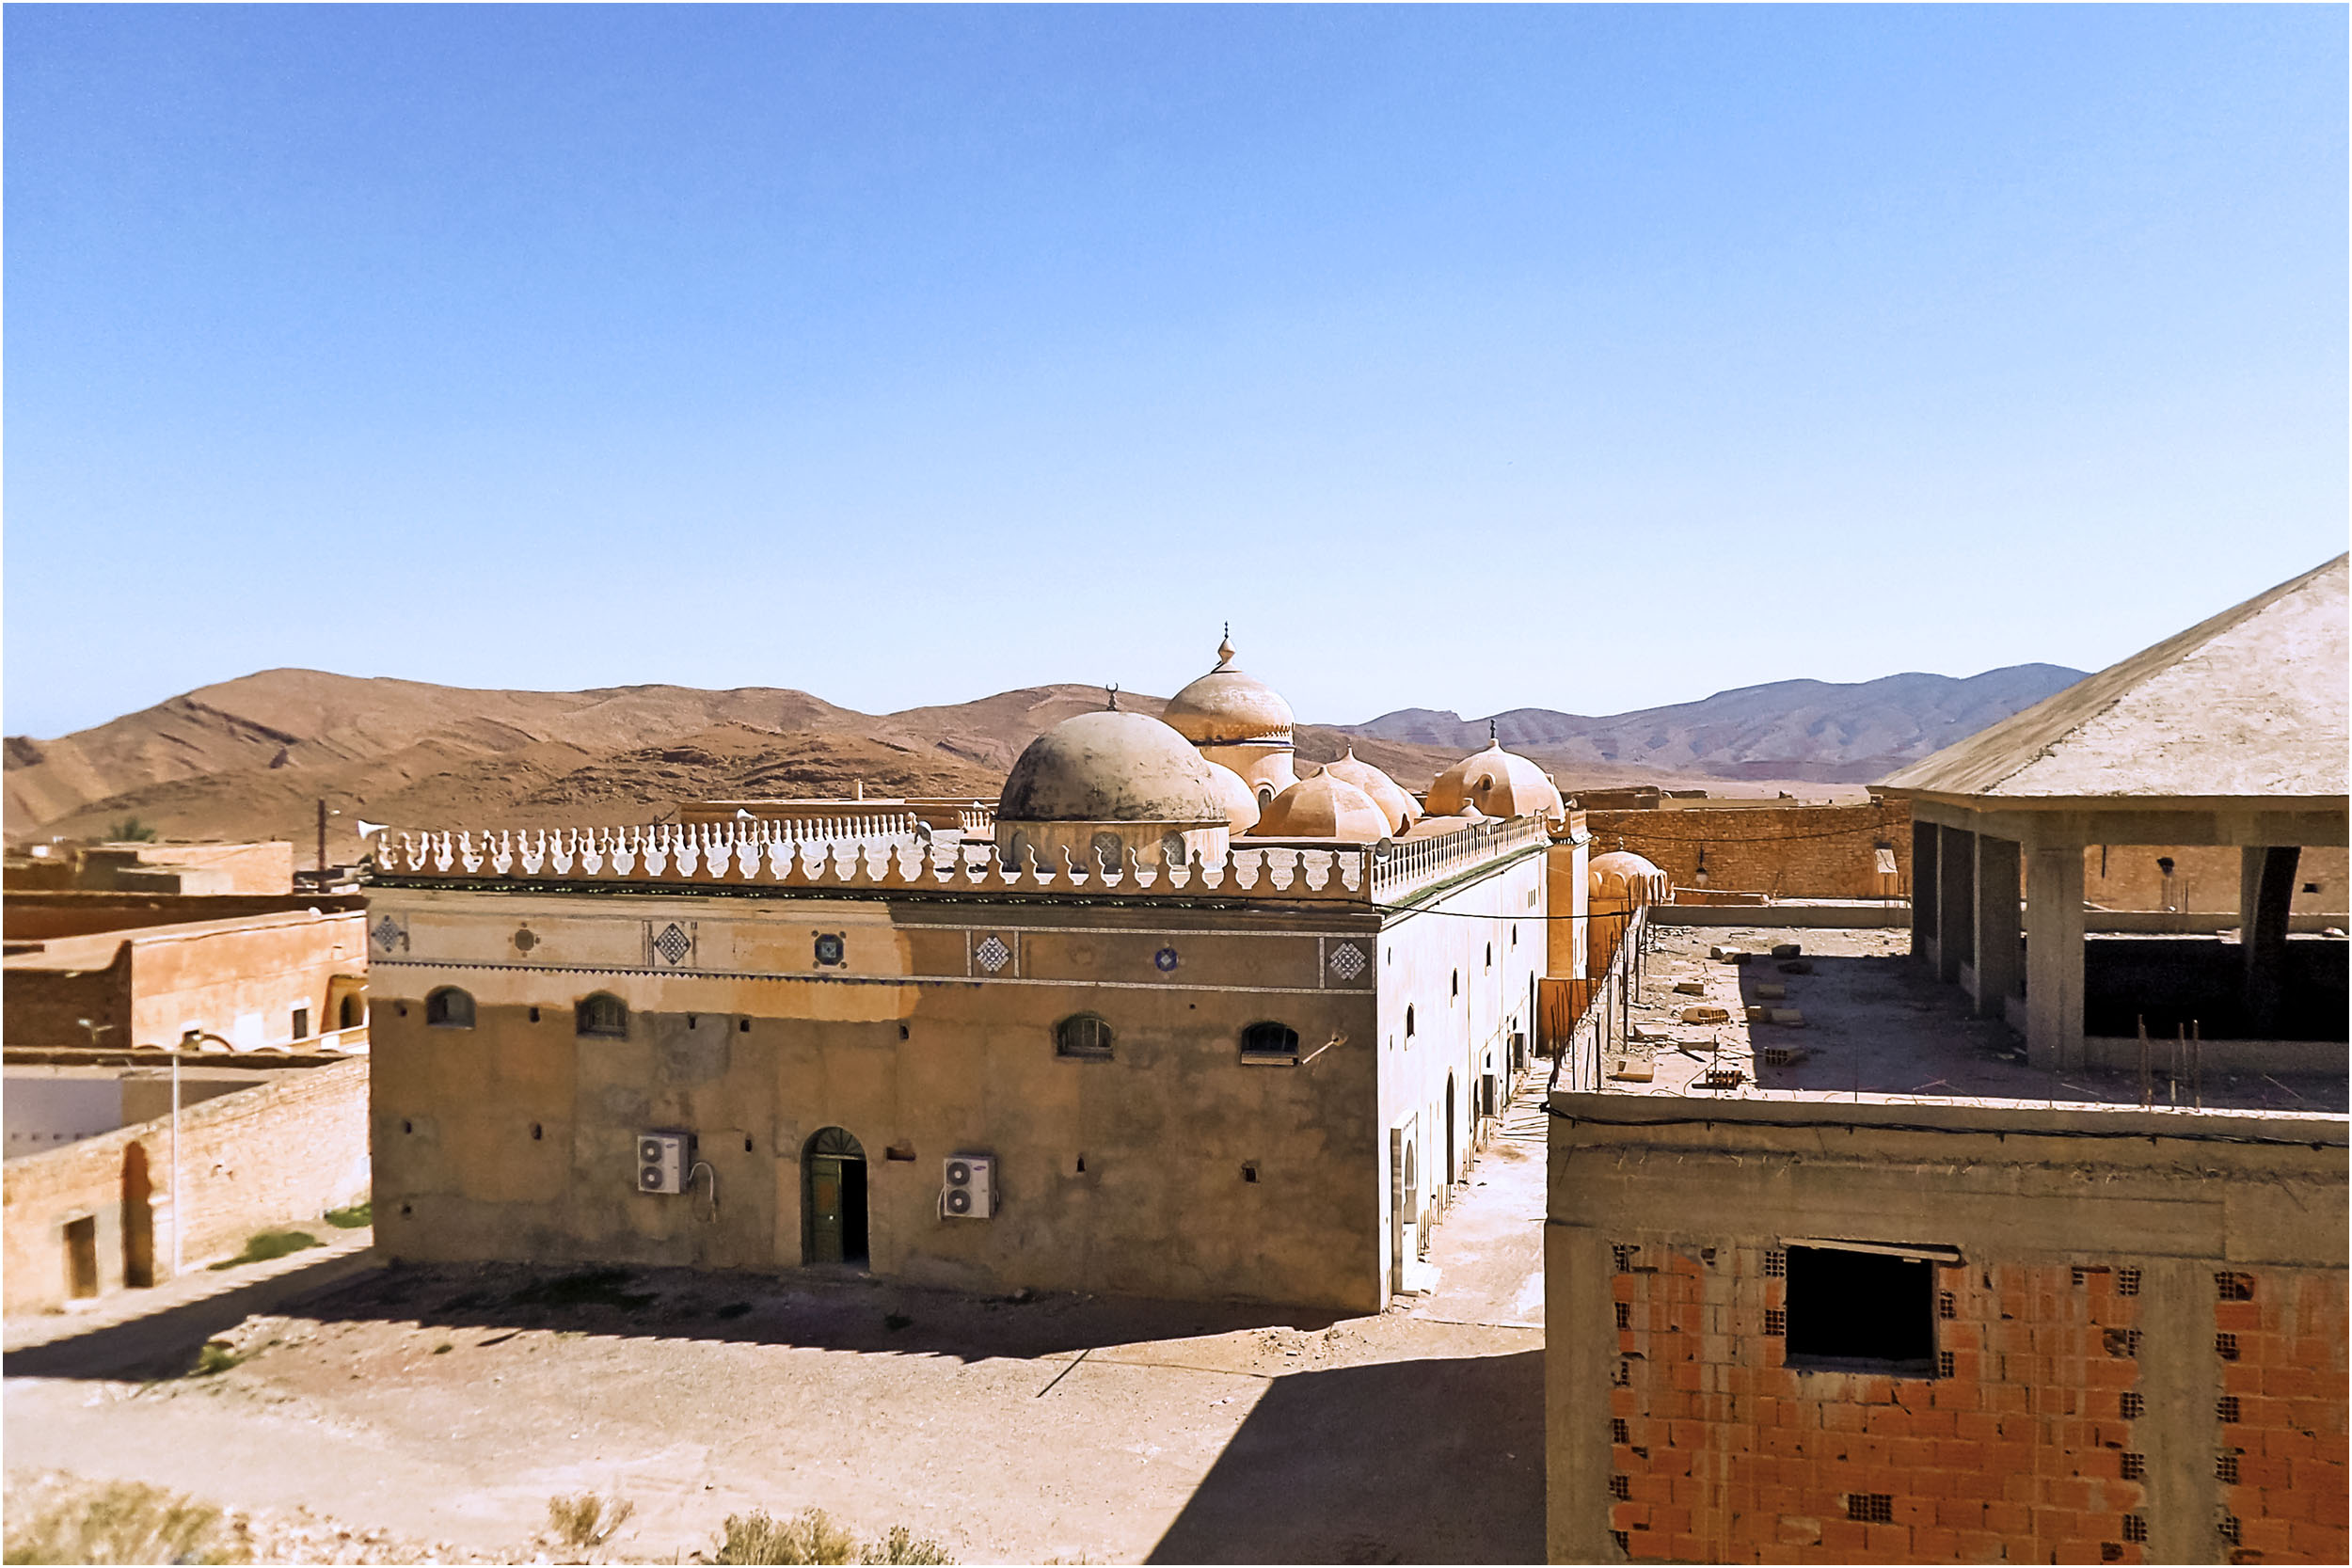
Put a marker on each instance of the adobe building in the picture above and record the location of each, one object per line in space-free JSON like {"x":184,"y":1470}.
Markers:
{"x":260,"y":867}
{"x":1848,"y":1275}
{"x":262,"y":1002}
{"x":1171,"y":1020}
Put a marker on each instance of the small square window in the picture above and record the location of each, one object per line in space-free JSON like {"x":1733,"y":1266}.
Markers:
{"x":1870,"y":1508}
{"x":1860,"y":1312}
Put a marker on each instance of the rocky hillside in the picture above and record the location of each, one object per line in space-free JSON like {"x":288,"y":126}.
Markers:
{"x":1808,"y":730}
{"x":251,"y":757}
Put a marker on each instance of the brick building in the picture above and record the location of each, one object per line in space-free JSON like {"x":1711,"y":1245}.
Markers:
{"x":1781,"y":850}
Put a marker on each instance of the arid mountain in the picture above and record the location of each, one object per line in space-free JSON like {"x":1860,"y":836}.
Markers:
{"x":1810,"y":730}
{"x":252,"y":757}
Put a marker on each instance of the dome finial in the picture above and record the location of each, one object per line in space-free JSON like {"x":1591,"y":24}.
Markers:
{"x":1491,"y":739}
{"x":1112,"y":692}
{"x":1225,"y":648}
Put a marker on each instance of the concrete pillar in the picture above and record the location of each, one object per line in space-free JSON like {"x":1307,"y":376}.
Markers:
{"x":2000,"y":965}
{"x":1955,"y":902}
{"x":2263,"y":931}
{"x":1923,"y":891}
{"x":2054,"y":957}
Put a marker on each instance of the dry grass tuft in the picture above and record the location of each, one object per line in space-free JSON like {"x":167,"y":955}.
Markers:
{"x":587,"y":1521}
{"x":123,"y":1521}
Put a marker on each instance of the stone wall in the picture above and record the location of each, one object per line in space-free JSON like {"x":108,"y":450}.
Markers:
{"x":284,"y":1152}
{"x":1793,"y":851}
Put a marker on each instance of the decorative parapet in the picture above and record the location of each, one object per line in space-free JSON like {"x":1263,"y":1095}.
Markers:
{"x":780,"y":855}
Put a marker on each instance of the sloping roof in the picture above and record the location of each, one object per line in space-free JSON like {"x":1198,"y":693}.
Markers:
{"x":2250,"y":703}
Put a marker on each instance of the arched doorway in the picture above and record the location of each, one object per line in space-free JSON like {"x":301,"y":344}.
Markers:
{"x":138,"y":1219}
{"x":1449,"y":1130}
{"x":832,"y":1198}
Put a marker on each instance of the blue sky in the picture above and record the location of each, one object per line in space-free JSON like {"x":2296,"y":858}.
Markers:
{"x":1578,"y":357}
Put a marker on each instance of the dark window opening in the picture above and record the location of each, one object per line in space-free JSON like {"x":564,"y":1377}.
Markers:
{"x":1083,"y":1034}
{"x":2225,"y":1346}
{"x":742,"y":1025}
{"x":2233,"y":1287}
{"x":352,"y":1013}
{"x":302,"y":1023}
{"x":1860,"y":1312}
{"x":1408,"y":1024}
{"x":2133,"y":1406}
{"x":535,"y":1132}
{"x":535,"y":1015}
{"x":2311,"y":887}
{"x":603,"y":1015}
{"x":1249,"y":1170}
{"x":1269,"y":1039}
{"x":449,"y":1008}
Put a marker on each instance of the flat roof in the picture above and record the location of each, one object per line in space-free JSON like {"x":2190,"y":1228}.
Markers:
{"x":1877,"y":1024}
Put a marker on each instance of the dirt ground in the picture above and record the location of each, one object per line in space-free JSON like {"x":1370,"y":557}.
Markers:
{"x":446,"y":1405}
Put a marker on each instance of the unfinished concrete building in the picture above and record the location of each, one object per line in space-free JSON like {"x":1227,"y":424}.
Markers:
{"x":2232,"y":733}
{"x":1858,"y":1275}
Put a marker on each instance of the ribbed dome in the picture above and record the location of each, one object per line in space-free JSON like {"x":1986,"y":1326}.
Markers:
{"x":1499,"y":783}
{"x":1324,"y":807}
{"x":1110,"y":767}
{"x":1241,"y":801}
{"x":1622,"y":876}
{"x":1402,"y":809}
{"x":1229,"y":707}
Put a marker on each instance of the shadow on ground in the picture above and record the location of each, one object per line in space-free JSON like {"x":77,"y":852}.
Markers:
{"x":1368,"y":1465}
{"x":806,"y":1309}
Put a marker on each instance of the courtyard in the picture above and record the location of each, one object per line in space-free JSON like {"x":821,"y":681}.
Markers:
{"x":437,"y":1410}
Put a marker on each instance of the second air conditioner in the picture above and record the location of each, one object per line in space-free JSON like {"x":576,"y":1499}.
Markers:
{"x":967,"y":1187}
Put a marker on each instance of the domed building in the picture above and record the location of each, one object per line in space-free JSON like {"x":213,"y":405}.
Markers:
{"x":1101,"y":787}
{"x":1498,"y":783}
{"x":1325,"y":806}
{"x":1400,"y":809}
{"x":915,"y":1040}
{"x":1238,"y":721}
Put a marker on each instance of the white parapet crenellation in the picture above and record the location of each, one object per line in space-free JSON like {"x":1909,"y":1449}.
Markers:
{"x":882,"y":851}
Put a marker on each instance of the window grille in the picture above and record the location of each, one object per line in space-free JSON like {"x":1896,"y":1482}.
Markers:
{"x":1082,"y":1035}
{"x":1870,"y":1508}
{"x":1776,"y":1264}
{"x":2225,"y":1346}
{"x":2235,"y":1286}
{"x":2134,"y":1527}
{"x":2131,"y":1406}
{"x":2127,"y":1282}
{"x":2134,"y":1466}
{"x":601,"y":1015}
{"x":2226,"y":1408}
{"x":1269,"y":1039}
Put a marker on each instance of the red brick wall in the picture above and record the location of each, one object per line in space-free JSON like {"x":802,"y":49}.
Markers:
{"x":2018,"y":1453}
{"x":1787,"y":851}
{"x":2280,"y":1419}
{"x":286,"y":1152}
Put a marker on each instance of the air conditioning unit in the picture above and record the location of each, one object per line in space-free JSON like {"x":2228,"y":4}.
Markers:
{"x":661,"y":1163}
{"x":968,"y":1187}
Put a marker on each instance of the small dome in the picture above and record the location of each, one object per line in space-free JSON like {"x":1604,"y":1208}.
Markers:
{"x":1499,"y":783}
{"x":1110,"y":767}
{"x":1233,"y":792}
{"x":1324,"y":807}
{"x":1431,"y":826}
{"x":1402,"y":809}
{"x":1228,"y":707}
{"x":1622,"y":876}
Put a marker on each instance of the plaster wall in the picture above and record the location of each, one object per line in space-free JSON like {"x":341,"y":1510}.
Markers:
{"x":1463,"y":965}
{"x":2093,"y":1264}
{"x":1175,"y":1167}
{"x":245,"y":982}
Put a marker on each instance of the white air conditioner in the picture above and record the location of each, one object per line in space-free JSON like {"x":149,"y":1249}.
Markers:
{"x":967,"y":1188}
{"x":661,"y":1163}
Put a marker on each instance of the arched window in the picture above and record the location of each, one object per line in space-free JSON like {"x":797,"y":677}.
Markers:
{"x":1490,"y":955}
{"x":1269,"y":1039}
{"x":449,"y":1008}
{"x":1408,"y":1024}
{"x":603,"y":1015}
{"x":1457,"y":982}
{"x":1082,"y":1035}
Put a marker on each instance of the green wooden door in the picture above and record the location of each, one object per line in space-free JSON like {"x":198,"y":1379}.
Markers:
{"x":824,"y":1208}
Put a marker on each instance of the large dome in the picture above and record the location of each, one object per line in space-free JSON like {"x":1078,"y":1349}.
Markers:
{"x":1230,"y":707}
{"x":1499,"y":783}
{"x":1110,"y":767}
{"x":1622,"y":876}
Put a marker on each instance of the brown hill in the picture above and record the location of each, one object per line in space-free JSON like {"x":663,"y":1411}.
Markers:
{"x":251,"y":758}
